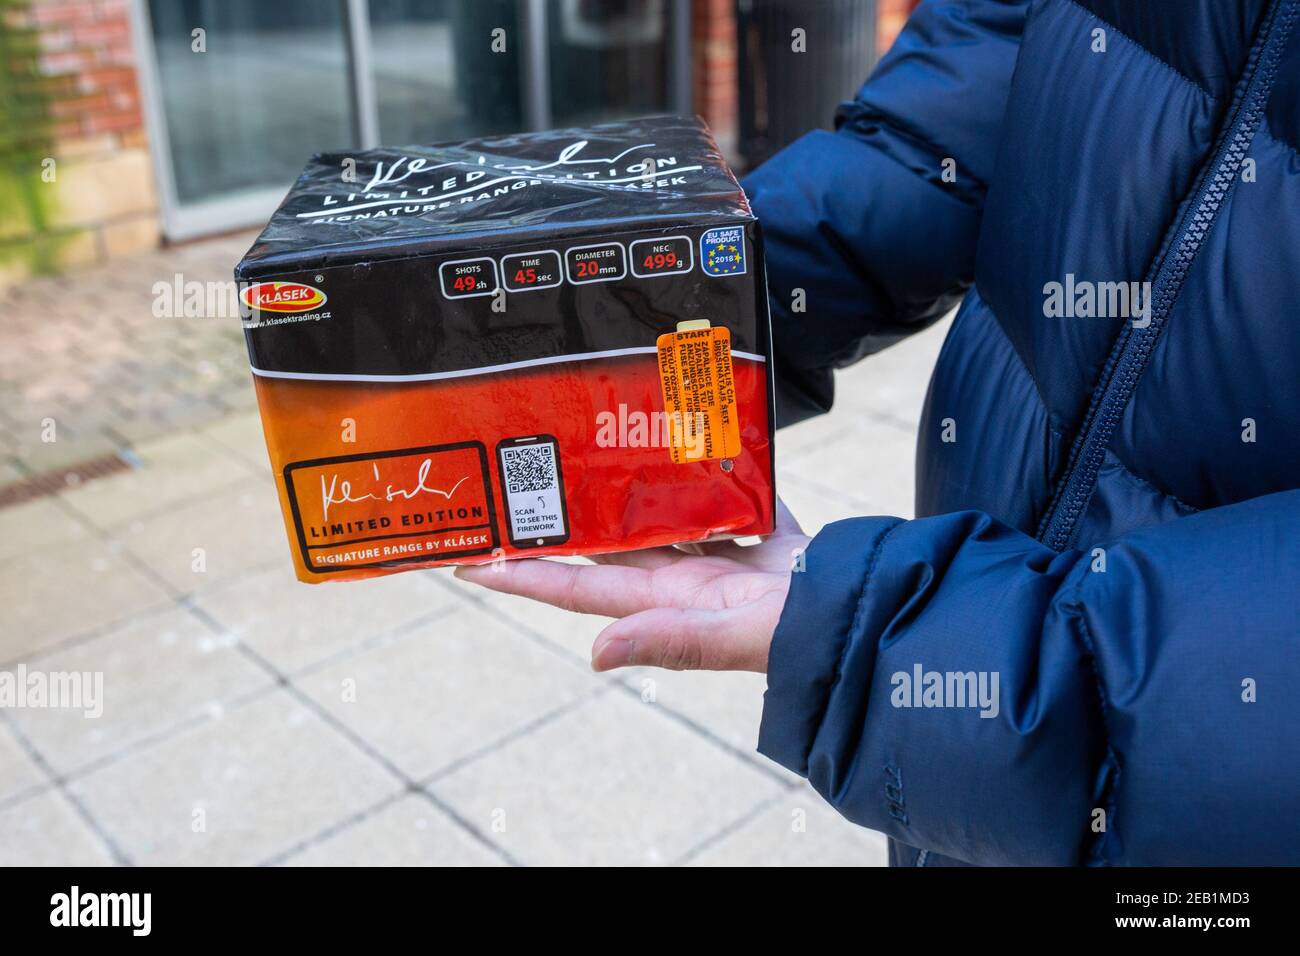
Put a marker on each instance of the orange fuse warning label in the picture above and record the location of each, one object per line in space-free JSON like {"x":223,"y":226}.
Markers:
{"x":699,"y":392}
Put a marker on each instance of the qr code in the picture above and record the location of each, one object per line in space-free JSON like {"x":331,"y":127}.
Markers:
{"x":529,"y":468}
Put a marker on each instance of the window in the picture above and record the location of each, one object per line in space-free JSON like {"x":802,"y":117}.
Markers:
{"x":436,"y":75}
{"x":236,"y":108}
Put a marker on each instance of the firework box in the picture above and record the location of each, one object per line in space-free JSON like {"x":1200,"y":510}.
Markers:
{"x":552,"y":343}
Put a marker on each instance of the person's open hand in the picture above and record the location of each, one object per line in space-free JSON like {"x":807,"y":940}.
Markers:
{"x":713,"y":608}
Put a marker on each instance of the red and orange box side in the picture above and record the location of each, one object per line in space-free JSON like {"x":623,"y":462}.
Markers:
{"x":471,"y":352}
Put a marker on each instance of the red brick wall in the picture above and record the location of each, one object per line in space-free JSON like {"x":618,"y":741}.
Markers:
{"x":102,"y":203}
{"x":89,"y":43}
{"x":713,"y":29}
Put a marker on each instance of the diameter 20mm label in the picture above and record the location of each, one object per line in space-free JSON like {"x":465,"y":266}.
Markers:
{"x":598,"y":262}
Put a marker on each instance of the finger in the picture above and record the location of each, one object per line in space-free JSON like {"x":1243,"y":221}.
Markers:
{"x":683,"y":639}
{"x":609,"y":590}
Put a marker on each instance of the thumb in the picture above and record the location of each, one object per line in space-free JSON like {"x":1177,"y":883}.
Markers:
{"x":687,"y":639}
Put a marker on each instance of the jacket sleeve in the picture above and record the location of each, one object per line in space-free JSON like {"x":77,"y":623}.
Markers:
{"x":1156,"y":679}
{"x":863,"y":220}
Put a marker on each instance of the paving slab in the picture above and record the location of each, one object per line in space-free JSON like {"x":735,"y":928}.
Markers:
{"x":410,"y":831}
{"x":893,"y":383}
{"x":45,"y":830}
{"x":108,"y":369}
{"x":18,"y":772}
{"x":242,"y":434}
{"x":613,"y":782}
{"x":36,"y":525}
{"x":67,"y":591}
{"x":235,"y":791}
{"x":178,"y":469}
{"x":871,"y":467}
{"x":798,"y":830}
{"x":447,"y":690}
{"x":148,"y":676}
{"x":295,"y":626}
{"x":813,"y":506}
{"x":726,"y":705}
{"x":223,"y":535}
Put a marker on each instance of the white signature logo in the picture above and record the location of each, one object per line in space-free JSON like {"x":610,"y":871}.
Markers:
{"x":339,"y":491}
{"x":391,"y":176}
{"x":475,"y":181}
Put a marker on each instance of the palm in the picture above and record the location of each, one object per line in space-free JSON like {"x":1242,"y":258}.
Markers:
{"x":703,"y":606}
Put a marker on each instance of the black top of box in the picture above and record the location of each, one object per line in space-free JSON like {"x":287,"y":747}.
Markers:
{"x":411,"y":200}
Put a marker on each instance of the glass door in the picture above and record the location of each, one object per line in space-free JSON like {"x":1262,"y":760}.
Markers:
{"x":240,"y":93}
{"x":608,"y":59}
{"x":439,"y":72}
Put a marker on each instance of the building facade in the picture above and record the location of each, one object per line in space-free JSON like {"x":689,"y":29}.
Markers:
{"x":127,"y":123}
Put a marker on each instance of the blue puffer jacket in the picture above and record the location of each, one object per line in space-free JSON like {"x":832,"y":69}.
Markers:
{"x":1109,"y":516}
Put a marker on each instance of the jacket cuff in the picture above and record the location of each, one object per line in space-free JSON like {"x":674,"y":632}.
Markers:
{"x":816,"y":623}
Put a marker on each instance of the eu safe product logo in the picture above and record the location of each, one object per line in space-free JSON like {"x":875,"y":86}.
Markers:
{"x":722,"y":251}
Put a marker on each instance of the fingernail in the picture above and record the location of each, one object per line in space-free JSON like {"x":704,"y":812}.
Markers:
{"x":613,"y":653}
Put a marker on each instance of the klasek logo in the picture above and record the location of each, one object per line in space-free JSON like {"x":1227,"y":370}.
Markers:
{"x":282,"y":297}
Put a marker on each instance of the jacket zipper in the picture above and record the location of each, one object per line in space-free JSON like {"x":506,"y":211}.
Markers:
{"x":1133,"y":347}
